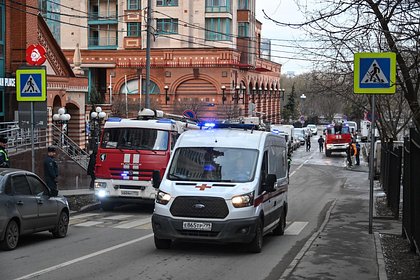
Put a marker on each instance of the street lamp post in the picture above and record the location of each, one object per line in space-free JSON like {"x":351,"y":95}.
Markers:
{"x":62,"y":118}
{"x":166,"y":94}
{"x":96,"y":118}
{"x":223,"y":94}
{"x":302,"y":98}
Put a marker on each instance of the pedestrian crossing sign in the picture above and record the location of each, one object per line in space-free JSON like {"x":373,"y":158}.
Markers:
{"x":31,"y":84}
{"x":375,"y":73}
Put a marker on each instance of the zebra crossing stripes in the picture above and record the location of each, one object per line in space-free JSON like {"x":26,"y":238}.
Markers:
{"x":144,"y":222}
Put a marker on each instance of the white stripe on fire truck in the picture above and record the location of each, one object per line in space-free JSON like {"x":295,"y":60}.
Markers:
{"x":136,"y":159}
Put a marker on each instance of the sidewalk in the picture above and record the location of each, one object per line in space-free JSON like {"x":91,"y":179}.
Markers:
{"x":343,"y":248}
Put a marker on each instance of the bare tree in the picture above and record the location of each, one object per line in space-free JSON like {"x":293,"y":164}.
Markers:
{"x":343,"y":28}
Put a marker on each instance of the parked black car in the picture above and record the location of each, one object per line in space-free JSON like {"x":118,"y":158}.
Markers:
{"x":27,"y":205}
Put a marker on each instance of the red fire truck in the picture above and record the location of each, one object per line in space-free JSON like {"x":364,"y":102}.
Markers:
{"x":337,"y":138}
{"x":133,"y":152}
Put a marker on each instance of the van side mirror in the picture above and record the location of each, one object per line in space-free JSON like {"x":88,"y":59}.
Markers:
{"x":269,"y":182}
{"x":156,"y":179}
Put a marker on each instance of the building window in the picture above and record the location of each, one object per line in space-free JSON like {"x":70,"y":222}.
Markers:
{"x":218,"y":29}
{"x":218,"y":6}
{"x":243,"y":4}
{"x":243,"y":29}
{"x":132,"y":87}
{"x":133,"y":29}
{"x":167,"y":25}
{"x":167,"y":2}
{"x":133,"y":5}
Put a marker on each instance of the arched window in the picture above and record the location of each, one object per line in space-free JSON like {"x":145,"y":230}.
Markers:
{"x":132,"y":87}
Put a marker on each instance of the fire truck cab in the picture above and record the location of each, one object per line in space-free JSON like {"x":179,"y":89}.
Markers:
{"x":132,"y":157}
{"x":337,"y":138}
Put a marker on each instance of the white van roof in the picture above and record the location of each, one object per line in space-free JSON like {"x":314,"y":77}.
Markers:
{"x":229,"y":138}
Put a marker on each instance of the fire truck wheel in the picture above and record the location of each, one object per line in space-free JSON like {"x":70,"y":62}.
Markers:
{"x":327,"y":153}
{"x":162,"y":243}
{"x":107,"y":206}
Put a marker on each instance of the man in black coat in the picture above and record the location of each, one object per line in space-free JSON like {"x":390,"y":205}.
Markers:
{"x":91,"y":169}
{"x":51,"y":169}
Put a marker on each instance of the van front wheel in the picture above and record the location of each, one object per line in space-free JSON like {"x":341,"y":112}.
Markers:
{"x":281,"y":226}
{"x":256,"y":244}
{"x":162,"y":243}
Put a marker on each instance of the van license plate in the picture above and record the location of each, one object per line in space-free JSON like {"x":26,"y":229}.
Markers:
{"x":196,"y":226}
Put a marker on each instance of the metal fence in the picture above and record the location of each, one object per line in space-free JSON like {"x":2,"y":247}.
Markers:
{"x":20,"y":140}
{"x":390,"y":176}
{"x":411,"y":189}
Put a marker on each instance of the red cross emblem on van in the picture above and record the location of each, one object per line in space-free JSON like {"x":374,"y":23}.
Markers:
{"x":203,"y":187}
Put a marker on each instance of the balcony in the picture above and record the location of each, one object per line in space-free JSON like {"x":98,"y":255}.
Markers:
{"x":106,"y":17}
{"x":103,"y":43}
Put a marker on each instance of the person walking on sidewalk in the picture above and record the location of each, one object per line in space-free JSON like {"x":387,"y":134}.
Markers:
{"x":51,"y":169}
{"x":350,"y":154}
{"x":321,"y":144}
{"x":4,"y":157}
{"x":308,"y":143}
{"x":357,"y":153}
{"x":91,"y":169}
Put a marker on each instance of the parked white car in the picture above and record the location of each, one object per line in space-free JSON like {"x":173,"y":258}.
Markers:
{"x":313,"y":128}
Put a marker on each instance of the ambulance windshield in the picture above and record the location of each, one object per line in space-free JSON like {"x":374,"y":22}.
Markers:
{"x":213,"y":164}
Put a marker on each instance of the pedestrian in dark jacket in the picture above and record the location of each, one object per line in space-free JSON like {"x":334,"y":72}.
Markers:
{"x":321,"y":143}
{"x":4,"y":157}
{"x":51,"y":169}
{"x":91,"y":169}
{"x":357,"y":153}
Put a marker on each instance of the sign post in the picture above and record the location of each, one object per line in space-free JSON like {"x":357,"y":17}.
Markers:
{"x":374,"y":73}
{"x":31,"y":85}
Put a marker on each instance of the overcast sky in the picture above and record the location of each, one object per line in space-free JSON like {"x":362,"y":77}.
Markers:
{"x":285,"y":11}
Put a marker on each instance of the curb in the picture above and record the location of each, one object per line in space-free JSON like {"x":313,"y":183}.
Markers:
{"x":380,"y":257}
{"x":90,"y":207}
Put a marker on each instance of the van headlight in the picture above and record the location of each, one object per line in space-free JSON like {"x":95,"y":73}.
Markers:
{"x":243,"y":200}
{"x":163,"y":197}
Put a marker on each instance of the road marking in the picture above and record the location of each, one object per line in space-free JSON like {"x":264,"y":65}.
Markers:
{"x":118,"y":217}
{"x":83,"y":215}
{"x":295,"y":228}
{"x":134,"y":223}
{"x":89,"y":224}
{"x":307,"y":245}
{"x":64,"y":264}
{"x":299,"y":167}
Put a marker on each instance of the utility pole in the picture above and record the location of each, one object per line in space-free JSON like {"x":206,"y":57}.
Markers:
{"x":148,"y":38}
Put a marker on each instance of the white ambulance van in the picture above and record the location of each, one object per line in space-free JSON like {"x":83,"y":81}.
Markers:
{"x":223,"y":185}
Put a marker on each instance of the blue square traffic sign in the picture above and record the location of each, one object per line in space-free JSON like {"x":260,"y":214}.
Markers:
{"x":374,"y":73}
{"x":31,"y":84}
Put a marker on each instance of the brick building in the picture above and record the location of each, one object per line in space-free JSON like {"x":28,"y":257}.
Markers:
{"x":201,"y":50}
{"x":21,"y":27}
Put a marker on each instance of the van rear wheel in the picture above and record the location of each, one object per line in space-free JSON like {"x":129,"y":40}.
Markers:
{"x":162,"y":243}
{"x":256,"y":244}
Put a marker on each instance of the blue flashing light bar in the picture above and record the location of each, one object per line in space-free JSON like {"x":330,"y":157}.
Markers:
{"x":208,"y":125}
{"x":114,"y":119}
{"x":165,"y":121}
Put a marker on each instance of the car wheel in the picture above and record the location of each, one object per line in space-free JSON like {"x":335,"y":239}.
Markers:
{"x":107,"y":206}
{"x":162,"y":243}
{"x":281,"y":226}
{"x":60,"y":229}
{"x":11,"y":236}
{"x":256,"y":244}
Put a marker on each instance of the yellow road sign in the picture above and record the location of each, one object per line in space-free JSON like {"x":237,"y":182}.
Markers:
{"x":31,"y":84}
{"x":375,"y":73}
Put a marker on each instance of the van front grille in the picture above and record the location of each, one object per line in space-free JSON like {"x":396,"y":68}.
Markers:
{"x":199,"y":207}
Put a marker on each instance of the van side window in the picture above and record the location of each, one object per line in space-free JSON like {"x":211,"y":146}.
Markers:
{"x":264,"y":171}
{"x":277,"y":161}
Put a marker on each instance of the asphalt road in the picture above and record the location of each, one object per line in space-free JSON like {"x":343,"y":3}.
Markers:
{"x":119,"y":244}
